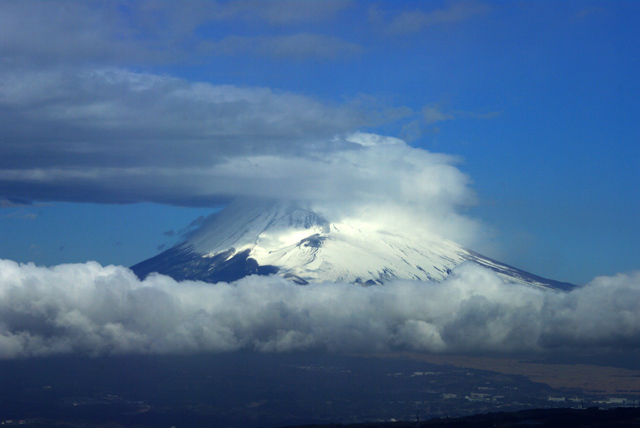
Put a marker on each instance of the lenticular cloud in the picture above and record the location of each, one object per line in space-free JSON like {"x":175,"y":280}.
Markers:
{"x":94,"y":310}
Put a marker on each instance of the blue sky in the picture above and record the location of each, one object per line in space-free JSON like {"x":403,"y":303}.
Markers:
{"x":114,"y":113}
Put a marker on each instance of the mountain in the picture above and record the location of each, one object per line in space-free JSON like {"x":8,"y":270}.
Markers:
{"x":267,"y":237}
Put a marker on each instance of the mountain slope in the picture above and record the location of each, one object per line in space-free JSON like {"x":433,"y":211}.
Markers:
{"x":284,"y":238}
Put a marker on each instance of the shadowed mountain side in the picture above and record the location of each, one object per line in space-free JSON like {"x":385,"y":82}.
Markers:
{"x":181,"y":263}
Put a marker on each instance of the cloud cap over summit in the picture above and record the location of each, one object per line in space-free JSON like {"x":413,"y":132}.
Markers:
{"x":115,"y":136}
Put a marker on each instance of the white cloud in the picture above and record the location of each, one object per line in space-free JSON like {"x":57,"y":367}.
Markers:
{"x":90,"y":309}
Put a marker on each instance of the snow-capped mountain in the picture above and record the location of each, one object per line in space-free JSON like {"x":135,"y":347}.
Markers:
{"x":297,"y":243}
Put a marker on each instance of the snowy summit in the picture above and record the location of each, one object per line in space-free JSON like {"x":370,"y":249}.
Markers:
{"x":296,"y":242}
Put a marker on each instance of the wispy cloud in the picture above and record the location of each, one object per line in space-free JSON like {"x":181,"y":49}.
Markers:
{"x":40,"y":34}
{"x":415,"y":21}
{"x":21,"y":215}
{"x":590,"y":13}
{"x":12,"y":203}
{"x":286,"y":12}
{"x":432,"y":114}
{"x":295,"y":46}
{"x":189,"y":16}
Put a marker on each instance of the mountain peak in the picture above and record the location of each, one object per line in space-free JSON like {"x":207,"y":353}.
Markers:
{"x":297,"y":242}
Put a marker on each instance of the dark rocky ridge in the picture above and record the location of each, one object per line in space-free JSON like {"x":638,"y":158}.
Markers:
{"x":181,"y":263}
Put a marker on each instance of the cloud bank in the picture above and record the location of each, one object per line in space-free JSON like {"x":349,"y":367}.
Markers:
{"x":95,"y":310}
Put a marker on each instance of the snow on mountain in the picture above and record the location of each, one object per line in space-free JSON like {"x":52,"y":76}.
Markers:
{"x":266,"y":237}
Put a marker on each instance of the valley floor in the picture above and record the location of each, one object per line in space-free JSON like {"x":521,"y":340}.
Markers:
{"x":252,"y":390}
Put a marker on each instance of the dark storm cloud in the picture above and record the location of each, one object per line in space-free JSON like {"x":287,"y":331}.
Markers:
{"x":90,"y":309}
{"x":101,"y":116}
{"x":115,"y":136}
